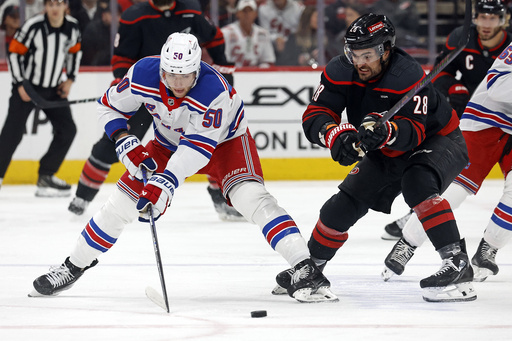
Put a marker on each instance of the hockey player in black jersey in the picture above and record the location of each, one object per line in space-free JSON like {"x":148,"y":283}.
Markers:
{"x":143,"y":29}
{"x":418,"y":152}
{"x":487,"y":39}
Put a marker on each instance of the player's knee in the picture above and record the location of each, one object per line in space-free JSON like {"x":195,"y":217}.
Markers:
{"x":119,"y":209}
{"x":418,"y":183}
{"x":252,"y":200}
{"x":342,"y":211}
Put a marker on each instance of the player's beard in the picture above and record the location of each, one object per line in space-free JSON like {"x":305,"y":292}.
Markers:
{"x":159,"y":3}
{"x":493,"y":34}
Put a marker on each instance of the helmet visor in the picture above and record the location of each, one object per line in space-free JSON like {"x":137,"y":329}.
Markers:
{"x":363,"y":56}
{"x":488,"y":20}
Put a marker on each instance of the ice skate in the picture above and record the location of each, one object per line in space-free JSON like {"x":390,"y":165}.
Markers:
{"x":225,"y":212}
{"x":51,"y":186}
{"x":78,"y":206}
{"x":396,"y":260}
{"x":452,"y":282}
{"x":305,"y":282}
{"x":393,"y":231}
{"x":484,"y":262}
{"x":59,"y":278}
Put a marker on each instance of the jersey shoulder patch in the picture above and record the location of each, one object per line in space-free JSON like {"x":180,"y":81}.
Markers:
{"x":338,"y":70}
{"x":146,"y":72}
{"x":137,"y":12}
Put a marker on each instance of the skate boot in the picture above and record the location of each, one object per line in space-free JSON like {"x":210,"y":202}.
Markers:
{"x":284,"y":278}
{"x":51,"y":186}
{"x":484,"y":262}
{"x":396,"y":260}
{"x":78,"y":206}
{"x":309,"y":285}
{"x":393,"y":231}
{"x":59,"y":278}
{"x":225,"y":212}
{"x":452,"y":282}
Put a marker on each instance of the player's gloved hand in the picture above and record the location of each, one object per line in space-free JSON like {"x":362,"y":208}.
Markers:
{"x":227,"y":71}
{"x":376,"y":138}
{"x":134,"y":156}
{"x":458,"y":96}
{"x":158,"y":193}
{"x":115,"y":82}
{"x":341,"y":141}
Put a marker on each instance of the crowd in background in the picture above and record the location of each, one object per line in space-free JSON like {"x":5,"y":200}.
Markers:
{"x":258,"y":33}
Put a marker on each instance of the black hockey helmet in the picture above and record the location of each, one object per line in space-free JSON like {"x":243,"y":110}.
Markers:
{"x":370,"y":30}
{"x":490,"y":7}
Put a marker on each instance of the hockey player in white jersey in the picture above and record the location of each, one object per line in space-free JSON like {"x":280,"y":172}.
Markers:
{"x":248,"y":44}
{"x":487,"y":127}
{"x":199,"y":127}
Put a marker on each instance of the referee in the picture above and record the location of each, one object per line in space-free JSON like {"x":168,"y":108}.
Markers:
{"x":41,"y":49}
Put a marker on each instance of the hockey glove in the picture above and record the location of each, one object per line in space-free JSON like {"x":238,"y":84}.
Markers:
{"x":158,"y":192}
{"x":458,"y":96}
{"x":341,"y":141}
{"x":227,"y":71}
{"x":134,"y":156}
{"x":115,"y":82}
{"x":376,"y":138}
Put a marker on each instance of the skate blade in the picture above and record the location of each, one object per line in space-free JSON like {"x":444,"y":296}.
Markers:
{"x":279,"y":290}
{"x":387,"y":273}
{"x":323,"y":294}
{"x":35,"y":293}
{"x":481,"y":274}
{"x":461,"y":292}
{"x":43,"y":192}
{"x":387,"y":236}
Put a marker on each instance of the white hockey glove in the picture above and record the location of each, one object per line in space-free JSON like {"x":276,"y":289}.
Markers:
{"x":158,"y":192}
{"x":134,"y":156}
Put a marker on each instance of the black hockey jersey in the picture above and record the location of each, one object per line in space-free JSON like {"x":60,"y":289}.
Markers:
{"x":426,"y":114}
{"x":472,"y":62}
{"x":143,"y":30}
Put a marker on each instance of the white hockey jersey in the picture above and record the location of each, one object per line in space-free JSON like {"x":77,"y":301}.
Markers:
{"x":253,"y":50}
{"x":191,"y":127}
{"x":491,"y":105}
{"x":280,"y":23}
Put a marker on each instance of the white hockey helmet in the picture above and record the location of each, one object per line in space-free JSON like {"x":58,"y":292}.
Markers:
{"x":181,"y":54}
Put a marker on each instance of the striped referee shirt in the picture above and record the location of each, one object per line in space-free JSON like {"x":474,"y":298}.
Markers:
{"x":40,"y":52}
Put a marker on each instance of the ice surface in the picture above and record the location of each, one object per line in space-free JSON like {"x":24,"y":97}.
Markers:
{"x":218,"y":272}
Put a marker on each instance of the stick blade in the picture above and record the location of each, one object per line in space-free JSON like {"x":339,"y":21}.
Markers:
{"x":155,"y":296}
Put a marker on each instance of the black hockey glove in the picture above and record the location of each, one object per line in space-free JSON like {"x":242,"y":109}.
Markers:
{"x":458,"y":96}
{"x":341,"y":141}
{"x":376,"y":138}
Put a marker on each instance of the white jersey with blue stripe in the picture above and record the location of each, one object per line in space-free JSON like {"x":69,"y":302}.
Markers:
{"x":491,"y":105}
{"x":191,"y":127}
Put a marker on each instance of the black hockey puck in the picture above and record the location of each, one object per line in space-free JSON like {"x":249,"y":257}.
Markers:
{"x":259,"y":313}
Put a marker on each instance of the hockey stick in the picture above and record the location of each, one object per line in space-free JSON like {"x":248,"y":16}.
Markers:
{"x":151,"y":293}
{"x":435,"y":70}
{"x":42,"y":103}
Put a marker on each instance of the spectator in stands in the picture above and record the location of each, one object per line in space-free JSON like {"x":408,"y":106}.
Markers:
{"x":96,"y":45}
{"x":127,"y":3}
{"x":280,"y":18}
{"x":32,"y":7}
{"x":301,"y":48}
{"x":405,"y":17}
{"x":10,"y":23}
{"x":248,"y":44}
{"x":84,"y":11}
{"x":336,"y":13}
